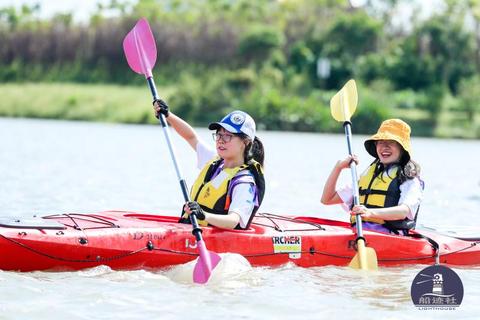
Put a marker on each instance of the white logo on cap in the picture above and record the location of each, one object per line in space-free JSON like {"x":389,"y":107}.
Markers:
{"x":237,"y":118}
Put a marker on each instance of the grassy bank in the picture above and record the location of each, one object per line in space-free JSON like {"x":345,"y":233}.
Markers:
{"x":132,"y":104}
{"x":106,"y":103}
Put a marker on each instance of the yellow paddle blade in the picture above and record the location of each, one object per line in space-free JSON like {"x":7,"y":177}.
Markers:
{"x":365,"y":259}
{"x":344,"y":102}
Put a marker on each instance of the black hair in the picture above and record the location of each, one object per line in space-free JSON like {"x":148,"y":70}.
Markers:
{"x":253,"y":149}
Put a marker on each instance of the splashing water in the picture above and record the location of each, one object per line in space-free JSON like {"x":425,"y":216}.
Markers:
{"x":232,"y":266}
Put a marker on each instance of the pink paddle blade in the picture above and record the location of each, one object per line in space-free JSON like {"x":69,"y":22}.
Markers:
{"x":140,"y":49}
{"x":207,"y":261}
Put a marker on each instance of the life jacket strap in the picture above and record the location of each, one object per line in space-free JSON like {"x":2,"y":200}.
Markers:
{"x":364,"y":192}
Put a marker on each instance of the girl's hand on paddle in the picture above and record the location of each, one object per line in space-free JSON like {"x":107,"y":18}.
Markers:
{"x":160,"y":106}
{"x":361,"y":210}
{"x":345,"y":163}
{"x":194,"y":207}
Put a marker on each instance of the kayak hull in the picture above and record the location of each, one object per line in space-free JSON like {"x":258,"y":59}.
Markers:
{"x":129,"y":241}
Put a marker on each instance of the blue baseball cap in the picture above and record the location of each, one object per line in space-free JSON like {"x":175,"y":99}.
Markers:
{"x":236,"y":122}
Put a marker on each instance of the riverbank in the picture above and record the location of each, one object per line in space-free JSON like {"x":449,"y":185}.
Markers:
{"x":132,"y":104}
{"x":70,"y":101}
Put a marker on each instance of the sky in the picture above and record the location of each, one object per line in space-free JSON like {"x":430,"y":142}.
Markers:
{"x":82,"y":9}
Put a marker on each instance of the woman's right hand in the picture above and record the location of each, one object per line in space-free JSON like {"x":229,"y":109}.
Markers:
{"x":192,"y":207}
{"x":160,"y":106}
{"x":345,"y":163}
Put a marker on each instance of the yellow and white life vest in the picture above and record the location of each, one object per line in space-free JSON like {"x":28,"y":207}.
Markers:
{"x":214,"y":195}
{"x":380,"y":188}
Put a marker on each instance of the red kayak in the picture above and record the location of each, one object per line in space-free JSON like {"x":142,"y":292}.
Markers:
{"x":127,"y":240}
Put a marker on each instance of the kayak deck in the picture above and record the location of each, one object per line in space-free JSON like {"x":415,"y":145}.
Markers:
{"x":128,"y":240}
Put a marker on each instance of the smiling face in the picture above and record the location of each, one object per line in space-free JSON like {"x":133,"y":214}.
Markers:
{"x":388,"y":151}
{"x":233,"y":148}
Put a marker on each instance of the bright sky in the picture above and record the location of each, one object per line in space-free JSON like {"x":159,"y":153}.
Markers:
{"x":82,"y":9}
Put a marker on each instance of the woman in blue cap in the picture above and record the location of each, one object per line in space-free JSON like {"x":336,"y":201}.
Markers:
{"x":230,"y":187}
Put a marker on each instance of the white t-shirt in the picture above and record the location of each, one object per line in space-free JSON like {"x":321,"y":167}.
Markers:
{"x":243,"y":195}
{"x":411,"y":194}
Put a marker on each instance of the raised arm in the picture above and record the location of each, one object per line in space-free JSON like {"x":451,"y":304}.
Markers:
{"x":178,"y":124}
{"x":330,"y":195}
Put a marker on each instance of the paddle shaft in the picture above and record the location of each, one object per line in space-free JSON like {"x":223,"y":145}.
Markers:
{"x":353,"y":169}
{"x":207,"y":260}
{"x":141,"y":53}
{"x":197,"y":232}
{"x":362,"y":250}
{"x":342,"y":107}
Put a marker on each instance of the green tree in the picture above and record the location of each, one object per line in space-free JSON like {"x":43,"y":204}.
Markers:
{"x":472,"y":9}
{"x":432,"y":101}
{"x":469,"y":97}
{"x":437,"y":52}
{"x":259,"y":42}
{"x":24,"y":17}
{"x":407,"y":67}
{"x":301,"y":57}
{"x":350,"y":37}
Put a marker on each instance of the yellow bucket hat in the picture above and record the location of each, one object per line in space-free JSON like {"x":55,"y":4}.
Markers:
{"x":391,"y":129}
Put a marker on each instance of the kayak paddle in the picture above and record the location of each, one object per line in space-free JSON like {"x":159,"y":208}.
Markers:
{"x":342,"y":106}
{"x":141,"y":53}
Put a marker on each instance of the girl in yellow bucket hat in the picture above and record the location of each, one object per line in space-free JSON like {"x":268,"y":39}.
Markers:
{"x":390,"y":188}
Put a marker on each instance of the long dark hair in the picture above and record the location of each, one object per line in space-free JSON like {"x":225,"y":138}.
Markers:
{"x":253,"y":149}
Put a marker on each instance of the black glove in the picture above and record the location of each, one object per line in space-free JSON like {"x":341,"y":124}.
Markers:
{"x":196,"y":209}
{"x":162,"y":107}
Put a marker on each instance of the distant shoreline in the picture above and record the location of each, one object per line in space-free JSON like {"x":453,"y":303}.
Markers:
{"x":126,"y":104}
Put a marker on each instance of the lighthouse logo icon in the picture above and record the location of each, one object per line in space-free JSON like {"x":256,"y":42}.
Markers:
{"x":437,"y":288}
{"x":437,"y":284}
